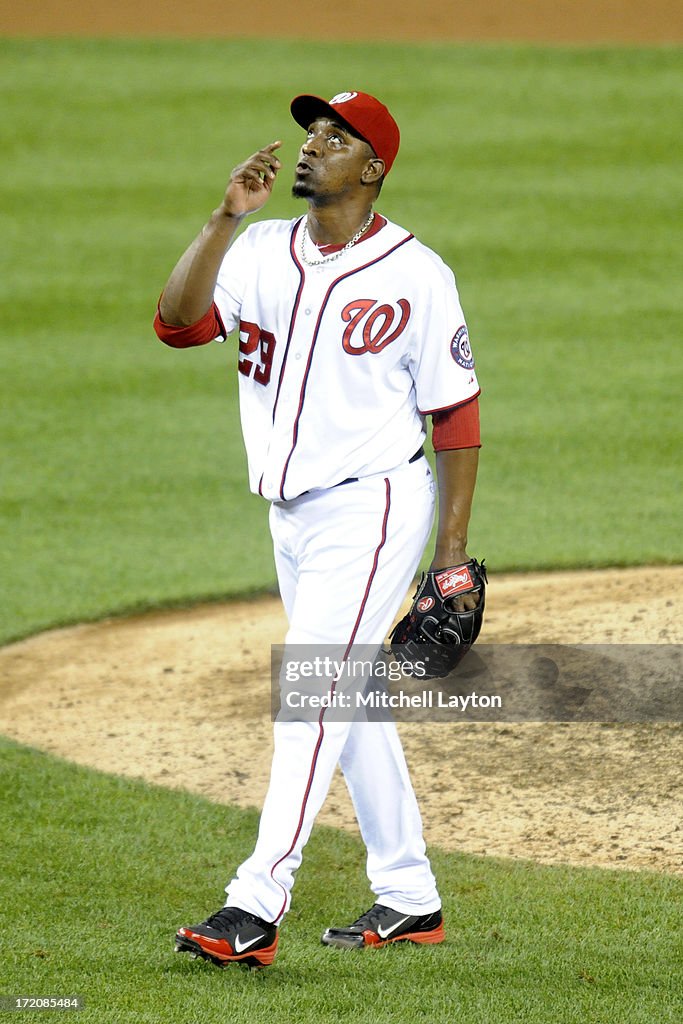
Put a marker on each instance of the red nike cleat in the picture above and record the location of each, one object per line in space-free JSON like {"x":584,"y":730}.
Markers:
{"x":232,"y":935}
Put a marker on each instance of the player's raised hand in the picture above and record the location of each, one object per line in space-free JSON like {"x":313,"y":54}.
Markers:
{"x":251,"y":182}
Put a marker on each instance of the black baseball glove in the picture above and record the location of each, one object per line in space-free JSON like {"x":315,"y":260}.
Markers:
{"x":432,"y":638}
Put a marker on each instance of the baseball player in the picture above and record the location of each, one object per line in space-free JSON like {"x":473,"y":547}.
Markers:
{"x":350,"y":333}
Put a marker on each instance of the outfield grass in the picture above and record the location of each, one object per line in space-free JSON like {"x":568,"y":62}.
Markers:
{"x":98,"y":872}
{"x":549,"y":179}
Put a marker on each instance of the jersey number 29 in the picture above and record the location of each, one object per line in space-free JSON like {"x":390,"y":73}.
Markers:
{"x":252,"y":339}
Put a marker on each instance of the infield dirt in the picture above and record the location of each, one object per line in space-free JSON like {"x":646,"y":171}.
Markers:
{"x":182,"y":699}
{"x":580,"y":21}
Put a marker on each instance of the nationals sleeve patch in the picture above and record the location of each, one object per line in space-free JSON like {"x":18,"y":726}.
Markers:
{"x":460,"y":349}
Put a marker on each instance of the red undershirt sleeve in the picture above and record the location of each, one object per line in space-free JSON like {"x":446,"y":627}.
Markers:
{"x":210,"y":326}
{"x":457,"y":428}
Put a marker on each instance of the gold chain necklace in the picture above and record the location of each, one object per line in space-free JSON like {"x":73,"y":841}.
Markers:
{"x":334,"y":255}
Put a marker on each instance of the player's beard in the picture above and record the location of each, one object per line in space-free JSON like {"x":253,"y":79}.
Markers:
{"x":305,"y":190}
{"x":302,"y":190}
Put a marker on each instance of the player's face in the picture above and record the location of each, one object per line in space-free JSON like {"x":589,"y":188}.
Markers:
{"x":331,"y":162}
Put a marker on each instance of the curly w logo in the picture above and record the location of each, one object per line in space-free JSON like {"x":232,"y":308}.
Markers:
{"x":369,"y":328}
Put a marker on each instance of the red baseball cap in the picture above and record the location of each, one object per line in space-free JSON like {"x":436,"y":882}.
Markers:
{"x":363,"y":113}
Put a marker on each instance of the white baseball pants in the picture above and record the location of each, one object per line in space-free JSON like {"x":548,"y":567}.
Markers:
{"x":345,"y":558}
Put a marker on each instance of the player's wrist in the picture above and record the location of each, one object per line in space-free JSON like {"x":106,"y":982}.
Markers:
{"x":224,"y":214}
{"x":449,"y":553}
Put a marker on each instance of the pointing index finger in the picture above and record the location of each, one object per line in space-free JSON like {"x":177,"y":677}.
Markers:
{"x":270,"y":149}
{"x":267,"y":155}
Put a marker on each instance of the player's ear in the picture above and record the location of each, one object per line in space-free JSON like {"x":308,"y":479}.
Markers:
{"x":373,"y":171}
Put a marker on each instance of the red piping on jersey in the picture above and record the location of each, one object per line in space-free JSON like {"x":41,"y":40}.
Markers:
{"x":302,"y":396}
{"x":292,"y":320}
{"x":378,"y":223}
{"x":321,"y":727}
{"x":443,"y":408}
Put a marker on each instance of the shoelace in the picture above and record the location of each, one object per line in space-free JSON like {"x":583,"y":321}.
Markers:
{"x":373,"y":916}
{"x":229,"y":916}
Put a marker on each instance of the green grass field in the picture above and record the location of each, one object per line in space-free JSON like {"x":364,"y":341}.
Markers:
{"x":101,"y":871}
{"x":549,"y":180}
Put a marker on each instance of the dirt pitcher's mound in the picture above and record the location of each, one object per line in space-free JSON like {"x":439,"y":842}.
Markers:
{"x":151,"y":696}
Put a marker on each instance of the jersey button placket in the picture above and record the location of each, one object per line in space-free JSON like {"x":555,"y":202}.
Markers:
{"x":288,"y":404}
{"x":300,"y":349}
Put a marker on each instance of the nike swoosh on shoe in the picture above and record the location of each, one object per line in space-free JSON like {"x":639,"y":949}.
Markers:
{"x":384,"y":933}
{"x":241,"y":946}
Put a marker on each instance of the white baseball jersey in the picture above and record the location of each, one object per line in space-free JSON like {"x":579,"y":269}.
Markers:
{"x":339,"y":363}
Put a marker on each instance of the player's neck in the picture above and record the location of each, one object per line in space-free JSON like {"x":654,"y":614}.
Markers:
{"x":335,"y":225}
